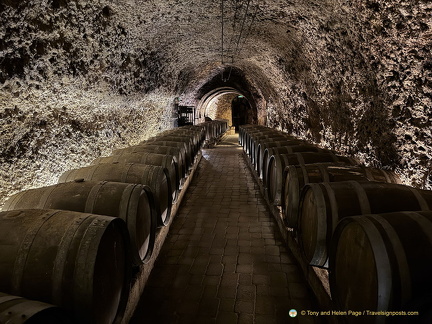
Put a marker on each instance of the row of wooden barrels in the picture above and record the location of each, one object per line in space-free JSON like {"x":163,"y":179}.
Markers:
{"x":372,"y":234}
{"x":75,"y":244}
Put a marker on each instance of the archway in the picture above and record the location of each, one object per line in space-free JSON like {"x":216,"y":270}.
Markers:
{"x":218,"y":104}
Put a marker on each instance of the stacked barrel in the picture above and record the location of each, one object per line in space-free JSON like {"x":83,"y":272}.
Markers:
{"x":75,"y":244}
{"x":372,"y":234}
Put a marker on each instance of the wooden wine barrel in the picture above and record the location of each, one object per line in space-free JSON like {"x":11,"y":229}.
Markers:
{"x":250,"y":135}
{"x":78,"y":261}
{"x":223,"y":125}
{"x":217,"y":128}
{"x":18,"y":310}
{"x":323,"y":205}
{"x":275,"y":180}
{"x":256,"y":140}
{"x":192,"y":128}
{"x":155,"y":177}
{"x":214,"y":128}
{"x":295,"y":147}
{"x":383,"y":263}
{"x":244,"y":128}
{"x":190,"y":139}
{"x":247,"y":132}
{"x":187,"y":140}
{"x":132,"y":203}
{"x":167,"y":161}
{"x":262,"y":154}
{"x":194,"y":135}
{"x":177,"y":153}
{"x":183,"y":147}
{"x":297,"y":176}
{"x":209,"y":130}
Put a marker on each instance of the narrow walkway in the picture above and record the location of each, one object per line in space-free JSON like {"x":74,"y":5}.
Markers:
{"x":223,"y":260}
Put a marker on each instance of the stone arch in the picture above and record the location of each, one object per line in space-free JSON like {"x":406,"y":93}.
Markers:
{"x":213,"y":96}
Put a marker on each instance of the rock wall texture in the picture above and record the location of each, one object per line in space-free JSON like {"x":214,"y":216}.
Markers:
{"x":79,"y":78}
{"x":220,"y":108}
{"x":72,"y":87}
{"x":362,"y":83}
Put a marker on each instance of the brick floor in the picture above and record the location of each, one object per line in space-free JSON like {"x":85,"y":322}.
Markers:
{"x":223,"y":260}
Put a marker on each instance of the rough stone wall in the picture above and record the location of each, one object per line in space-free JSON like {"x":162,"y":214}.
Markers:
{"x":397,"y":36}
{"x":220,"y":108}
{"x":358,"y":79}
{"x":73,"y":86}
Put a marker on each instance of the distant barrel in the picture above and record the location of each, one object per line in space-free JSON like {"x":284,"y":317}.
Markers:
{"x":299,"y":175}
{"x":182,"y":146}
{"x":18,"y":310}
{"x":176,"y":152}
{"x":382,"y":262}
{"x":192,"y":139}
{"x":244,"y":128}
{"x":164,"y":160}
{"x":246,"y":132}
{"x":214,"y":128}
{"x":275,"y":180}
{"x":294,"y":146}
{"x":256,"y":140}
{"x":209,"y":130}
{"x":133,"y":203}
{"x":195,"y":135}
{"x":248,"y":137}
{"x":190,"y":149}
{"x":262,"y":151}
{"x":155,"y":177}
{"x":323,"y":205}
{"x":74,"y":260}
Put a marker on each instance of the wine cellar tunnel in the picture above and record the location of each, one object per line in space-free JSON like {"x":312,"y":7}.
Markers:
{"x":80,"y":80}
